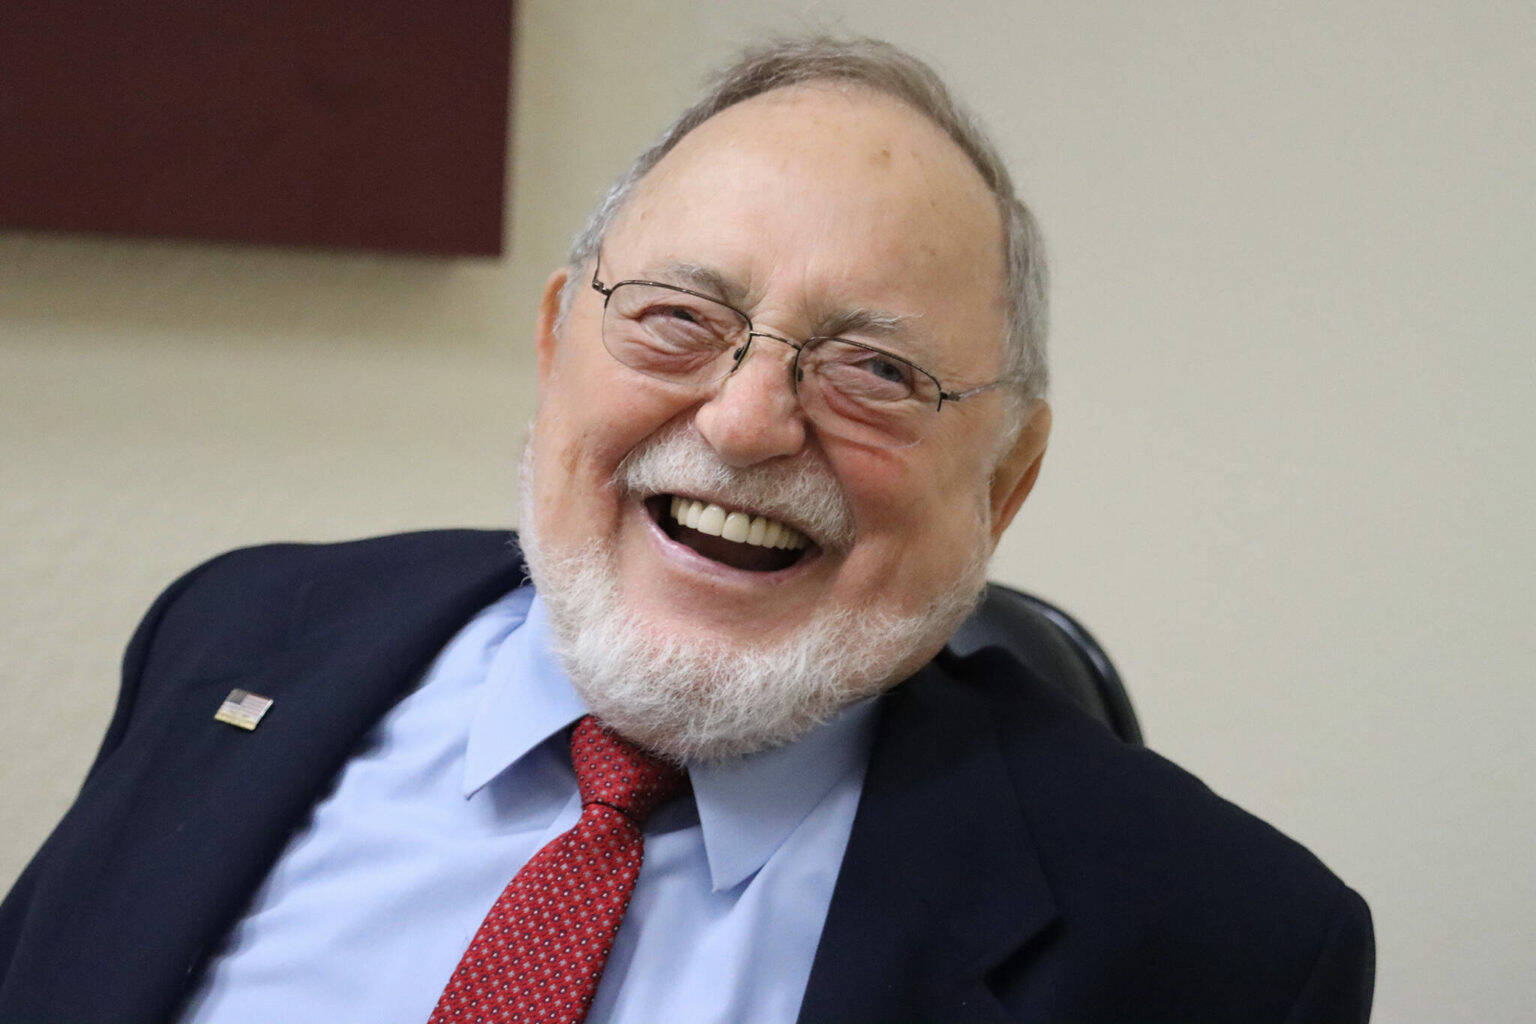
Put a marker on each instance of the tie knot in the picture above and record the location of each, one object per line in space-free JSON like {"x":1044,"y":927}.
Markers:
{"x":610,"y":770}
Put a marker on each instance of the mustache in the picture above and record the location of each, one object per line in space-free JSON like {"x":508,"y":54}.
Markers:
{"x":802,"y":493}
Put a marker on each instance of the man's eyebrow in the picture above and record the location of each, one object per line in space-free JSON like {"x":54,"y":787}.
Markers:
{"x":697,"y":276}
{"x":857,"y":320}
{"x":863,"y":320}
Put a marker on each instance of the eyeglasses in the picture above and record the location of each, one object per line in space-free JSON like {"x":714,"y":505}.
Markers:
{"x":847,"y":388}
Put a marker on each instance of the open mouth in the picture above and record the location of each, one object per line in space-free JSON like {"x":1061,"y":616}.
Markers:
{"x":733,"y":537}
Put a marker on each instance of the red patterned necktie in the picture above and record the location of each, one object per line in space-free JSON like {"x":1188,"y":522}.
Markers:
{"x":541,"y":949}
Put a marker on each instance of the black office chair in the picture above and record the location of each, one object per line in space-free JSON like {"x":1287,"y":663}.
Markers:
{"x":1056,"y":647}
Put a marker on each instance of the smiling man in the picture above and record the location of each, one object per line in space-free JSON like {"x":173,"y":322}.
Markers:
{"x":795,"y":324}
{"x":711,"y":765}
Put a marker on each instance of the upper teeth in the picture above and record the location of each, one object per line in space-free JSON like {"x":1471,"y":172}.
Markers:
{"x":737,"y":526}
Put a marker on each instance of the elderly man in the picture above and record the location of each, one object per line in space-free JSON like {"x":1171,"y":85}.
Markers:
{"x":707,"y":766}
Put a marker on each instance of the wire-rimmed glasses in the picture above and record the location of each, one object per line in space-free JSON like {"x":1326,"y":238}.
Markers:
{"x":847,"y":388}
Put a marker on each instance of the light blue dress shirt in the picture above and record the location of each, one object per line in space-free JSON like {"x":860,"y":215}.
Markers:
{"x":367,"y":911}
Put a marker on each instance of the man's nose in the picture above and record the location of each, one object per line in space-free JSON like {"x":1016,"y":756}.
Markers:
{"x":754,"y":416}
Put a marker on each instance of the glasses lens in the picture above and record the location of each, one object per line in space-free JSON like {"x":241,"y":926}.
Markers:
{"x":672,"y":334}
{"x":866,"y":395}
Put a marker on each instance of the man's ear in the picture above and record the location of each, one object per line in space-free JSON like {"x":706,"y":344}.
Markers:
{"x":1016,"y":471}
{"x":544,"y":338}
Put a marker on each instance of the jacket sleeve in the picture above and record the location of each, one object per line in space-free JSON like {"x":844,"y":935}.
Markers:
{"x":13,"y":911}
{"x":1338,"y":990}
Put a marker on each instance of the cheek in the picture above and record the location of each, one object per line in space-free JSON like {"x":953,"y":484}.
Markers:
{"x":900,"y":515}
{"x":896,"y":495}
{"x":583,"y":433}
{"x":921,"y":522}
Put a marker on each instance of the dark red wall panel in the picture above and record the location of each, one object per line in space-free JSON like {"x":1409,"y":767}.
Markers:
{"x":369,"y":124}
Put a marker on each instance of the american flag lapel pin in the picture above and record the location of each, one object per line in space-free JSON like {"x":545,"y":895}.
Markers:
{"x":242,"y":709}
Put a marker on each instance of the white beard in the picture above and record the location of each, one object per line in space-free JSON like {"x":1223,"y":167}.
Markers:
{"x":701,"y":699}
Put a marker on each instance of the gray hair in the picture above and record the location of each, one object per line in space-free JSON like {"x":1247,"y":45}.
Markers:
{"x":885,"y":69}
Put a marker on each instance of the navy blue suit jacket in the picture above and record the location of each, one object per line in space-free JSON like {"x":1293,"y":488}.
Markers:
{"x":1010,"y":859}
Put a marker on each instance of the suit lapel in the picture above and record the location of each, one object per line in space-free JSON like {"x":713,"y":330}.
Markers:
{"x":940,"y":881}
{"x":168,"y":842}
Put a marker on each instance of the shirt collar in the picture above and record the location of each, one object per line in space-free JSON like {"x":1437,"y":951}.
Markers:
{"x":747,"y":806}
{"x":528,"y":699}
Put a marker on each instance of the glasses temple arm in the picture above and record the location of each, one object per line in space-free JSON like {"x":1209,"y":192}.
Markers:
{"x":955,"y":396}
{"x":597,"y":285}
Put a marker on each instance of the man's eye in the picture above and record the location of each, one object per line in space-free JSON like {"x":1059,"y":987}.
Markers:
{"x":681,"y":327}
{"x":877,"y":369}
{"x":682,"y":313}
{"x":861,"y":374}
{"x":886,"y":369}
{"x":681,"y":320}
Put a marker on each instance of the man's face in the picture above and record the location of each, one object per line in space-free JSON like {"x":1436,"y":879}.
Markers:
{"x":805,"y":204}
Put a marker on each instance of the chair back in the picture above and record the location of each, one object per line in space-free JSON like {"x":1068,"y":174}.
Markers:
{"x":1056,"y":647}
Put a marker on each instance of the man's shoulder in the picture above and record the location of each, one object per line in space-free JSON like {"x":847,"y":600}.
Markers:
{"x":395,"y":561}
{"x":1143,"y":847}
{"x":1079,"y":768}
{"x":250,"y":601}
{"x":287,"y":562}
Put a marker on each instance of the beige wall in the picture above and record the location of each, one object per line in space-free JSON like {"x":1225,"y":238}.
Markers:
{"x":1290,"y":485}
